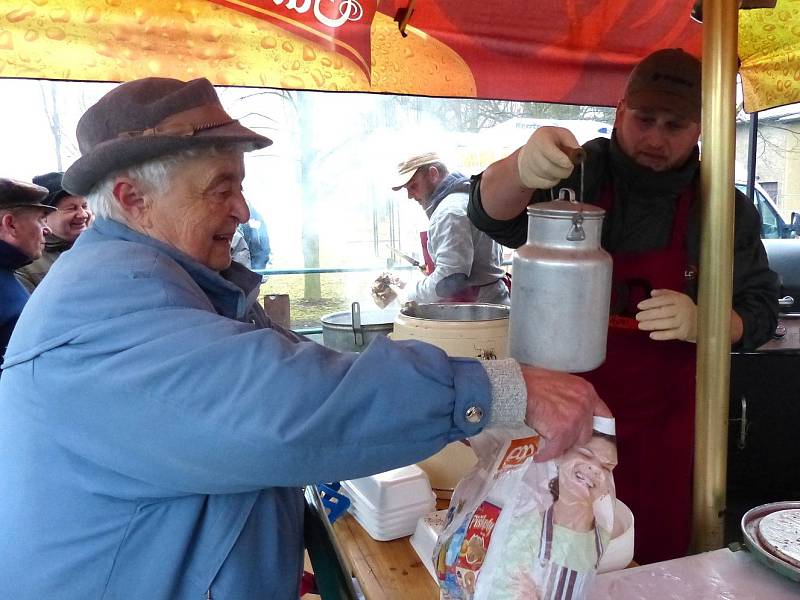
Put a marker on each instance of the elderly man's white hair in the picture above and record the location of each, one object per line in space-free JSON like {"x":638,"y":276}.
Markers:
{"x":156,"y":174}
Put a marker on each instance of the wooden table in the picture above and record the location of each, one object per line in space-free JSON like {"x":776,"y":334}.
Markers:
{"x":386,"y":570}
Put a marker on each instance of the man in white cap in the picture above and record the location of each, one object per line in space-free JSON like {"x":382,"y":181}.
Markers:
{"x":463,"y":263}
{"x":156,"y":428}
{"x":646,"y":177}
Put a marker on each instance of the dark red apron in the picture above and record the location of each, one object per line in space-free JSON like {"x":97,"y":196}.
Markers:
{"x":650,"y":388}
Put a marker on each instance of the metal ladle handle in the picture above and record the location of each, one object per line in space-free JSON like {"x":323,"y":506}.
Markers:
{"x":576,"y":155}
{"x":358,"y":331}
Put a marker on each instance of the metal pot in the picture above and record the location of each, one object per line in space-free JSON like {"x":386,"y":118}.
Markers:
{"x":353,"y":331}
{"x":562,"y":289}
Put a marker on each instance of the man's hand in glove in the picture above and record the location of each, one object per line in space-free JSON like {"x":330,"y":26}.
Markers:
{"x":668,"y":315}
{"x":541,"y":162}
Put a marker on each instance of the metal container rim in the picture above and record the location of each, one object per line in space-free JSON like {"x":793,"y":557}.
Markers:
{"x":502,"y":311}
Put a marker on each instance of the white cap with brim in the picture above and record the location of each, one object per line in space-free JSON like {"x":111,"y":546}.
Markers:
{"x":407,"y":168}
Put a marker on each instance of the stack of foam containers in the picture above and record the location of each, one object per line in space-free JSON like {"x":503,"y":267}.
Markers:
{"x":425,"y":536}
{"x":388,"y":505}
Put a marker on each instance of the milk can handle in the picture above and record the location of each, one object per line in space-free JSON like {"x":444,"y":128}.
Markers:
{"x":576,"y":232}
{"x":358,"y":331}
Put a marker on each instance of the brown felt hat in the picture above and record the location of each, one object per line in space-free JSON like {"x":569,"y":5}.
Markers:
{"x":668,"y":79}
{"x":21,"y":194}
{"x":148,"y":118}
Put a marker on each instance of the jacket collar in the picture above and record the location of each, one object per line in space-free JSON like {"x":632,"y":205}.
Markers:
{"x":54,"y":243}
{"x":231,"y":291}
{"x":11,"y":257}
{"x":453,"y":183}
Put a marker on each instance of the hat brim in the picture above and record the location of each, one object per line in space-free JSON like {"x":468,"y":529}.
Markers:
{"x":121,"y":153}
{"x":44,"y":207}
{"x":405,"y":182}
{"x":662,"y":100}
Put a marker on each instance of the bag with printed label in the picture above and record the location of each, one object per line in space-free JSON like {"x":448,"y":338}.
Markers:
{"x":518,"y":529}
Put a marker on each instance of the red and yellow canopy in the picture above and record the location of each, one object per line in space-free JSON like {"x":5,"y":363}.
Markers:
{"x":572,"y":51}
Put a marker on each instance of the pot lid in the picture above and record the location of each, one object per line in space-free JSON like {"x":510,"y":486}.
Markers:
{"x":565,"y":210}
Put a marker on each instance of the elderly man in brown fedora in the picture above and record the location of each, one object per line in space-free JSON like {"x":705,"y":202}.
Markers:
{"x":22,"y":231}
{"x":157,"y":427}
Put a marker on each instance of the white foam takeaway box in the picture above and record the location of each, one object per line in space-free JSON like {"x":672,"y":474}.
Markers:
{"x":395,"y":489}
{"x":425,"y":535}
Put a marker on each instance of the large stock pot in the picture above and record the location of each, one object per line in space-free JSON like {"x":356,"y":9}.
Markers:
{"x":352,"y":331}
{"x":471,"y":330}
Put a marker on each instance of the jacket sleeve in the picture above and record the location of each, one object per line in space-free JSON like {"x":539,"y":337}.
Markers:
{"x":182,"y":400}
{"x":512,"y":233}
{"x":755,"y":286}
{"x":451,"y":245}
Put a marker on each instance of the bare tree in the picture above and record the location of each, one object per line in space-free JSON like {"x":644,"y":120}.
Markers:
{"x":470,"y":115}
{"x":51,"y":111}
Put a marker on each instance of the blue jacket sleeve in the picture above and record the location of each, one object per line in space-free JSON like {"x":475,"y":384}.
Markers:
{"x":184,"y":401}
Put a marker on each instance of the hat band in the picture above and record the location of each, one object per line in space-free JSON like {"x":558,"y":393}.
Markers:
{"x":186,"y":123}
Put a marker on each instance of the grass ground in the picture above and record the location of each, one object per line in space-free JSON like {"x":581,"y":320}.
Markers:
{"x":338,"y":290}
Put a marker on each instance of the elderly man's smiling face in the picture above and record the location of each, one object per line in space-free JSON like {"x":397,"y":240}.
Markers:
{"x":201,"y":208}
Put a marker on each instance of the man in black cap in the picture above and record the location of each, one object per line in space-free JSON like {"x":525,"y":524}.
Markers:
{"x":66,"y":223}
{"x":646,"y":177}
{"x":22,"y":231}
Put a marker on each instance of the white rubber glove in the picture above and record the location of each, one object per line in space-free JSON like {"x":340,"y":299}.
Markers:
{"x":668,"y":315}
{"x":540,"y":162}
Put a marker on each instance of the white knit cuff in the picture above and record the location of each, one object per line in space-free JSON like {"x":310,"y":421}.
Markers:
{"x":509,"y":393}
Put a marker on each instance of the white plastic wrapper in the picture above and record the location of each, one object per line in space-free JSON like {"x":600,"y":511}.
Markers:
{"x":517,"y":529}
{"x":386,"y":289}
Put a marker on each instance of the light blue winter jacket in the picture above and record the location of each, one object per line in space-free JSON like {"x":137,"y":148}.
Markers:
{"x":152,"y":441}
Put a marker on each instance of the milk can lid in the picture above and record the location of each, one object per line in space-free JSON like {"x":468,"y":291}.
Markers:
{"x":564,"y":209}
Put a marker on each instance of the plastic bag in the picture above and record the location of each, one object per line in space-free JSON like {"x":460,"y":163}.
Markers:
{"x":517,"y":529}
{"x":386,"y":289}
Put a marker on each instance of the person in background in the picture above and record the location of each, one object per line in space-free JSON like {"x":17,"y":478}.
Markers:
{"x":646,"y":177}
{"x":255,"y":234}
{"x":156,"y":430}
{"x":69,"y":219}
{"x":240,"y":251}
{"x":22,"y":235}
{"x":463,"y":263}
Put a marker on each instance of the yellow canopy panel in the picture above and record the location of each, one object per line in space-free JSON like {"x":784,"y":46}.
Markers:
{"x":769,"y":51}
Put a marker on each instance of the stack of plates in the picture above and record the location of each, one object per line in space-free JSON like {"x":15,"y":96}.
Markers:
{"x":388,"y":505}
{"x":772,"y":532}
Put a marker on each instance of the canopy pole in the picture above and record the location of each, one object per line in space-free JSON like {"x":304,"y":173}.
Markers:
{"x":720,"y":39}
{"x":752,"y":148}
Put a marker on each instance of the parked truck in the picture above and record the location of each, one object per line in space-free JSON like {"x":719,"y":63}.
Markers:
{"x":782,"y":242}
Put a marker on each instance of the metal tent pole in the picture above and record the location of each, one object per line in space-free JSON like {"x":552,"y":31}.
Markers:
{"x":720,"y":35}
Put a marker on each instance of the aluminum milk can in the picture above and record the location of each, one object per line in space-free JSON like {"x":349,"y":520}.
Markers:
{"x":561,"y":289}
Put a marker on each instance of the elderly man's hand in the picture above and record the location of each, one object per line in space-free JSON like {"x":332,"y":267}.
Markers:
{"x":668,"y":315}
{"x":560,"y":409}
{"x":541,"y":161}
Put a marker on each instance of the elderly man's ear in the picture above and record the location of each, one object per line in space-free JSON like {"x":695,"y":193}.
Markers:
{"x":132,"y":202}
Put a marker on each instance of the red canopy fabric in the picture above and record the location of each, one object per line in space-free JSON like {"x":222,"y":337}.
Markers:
{"x":569,"y":51}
